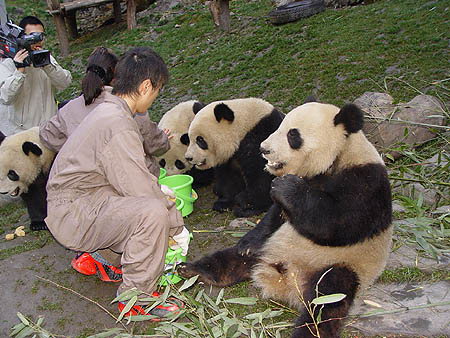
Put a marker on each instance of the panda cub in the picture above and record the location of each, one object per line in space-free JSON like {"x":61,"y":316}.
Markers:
{"x":329,"y":228}
{"x":178,"y":120}
{"x":225,"y":135}
{"x":24,"y":167}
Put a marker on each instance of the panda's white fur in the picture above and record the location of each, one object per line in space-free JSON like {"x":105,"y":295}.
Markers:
{"x":223,"y":137}
{"x":27,"y":167}
{"x":324,"y":149}
{"x":177,"y":120}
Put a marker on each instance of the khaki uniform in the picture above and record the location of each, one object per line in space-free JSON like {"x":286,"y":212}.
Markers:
{"x":101,"y":195}
{"x":54,"y":132}
{"x":30,"y":96}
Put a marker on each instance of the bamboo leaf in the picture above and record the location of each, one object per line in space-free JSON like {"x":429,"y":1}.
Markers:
{"x":126,"y":295}
{"x":187,"y":284}
{"x":109,"y":333}
{"x":23,"y":319}
{"x":242,"y":300}
{"x":127,"y":307}
{"x":16,"y":329}
{"x":328,"y":299}
{"x":183,"y":327}
{"x":219,"y":296}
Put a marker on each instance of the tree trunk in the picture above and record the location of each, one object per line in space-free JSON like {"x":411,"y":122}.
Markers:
{"x":131,"y":14}
{"x":60,"y":27}
{"x":117,"y":13}
{"x":220,"y":11}
{"x":71,"y":23}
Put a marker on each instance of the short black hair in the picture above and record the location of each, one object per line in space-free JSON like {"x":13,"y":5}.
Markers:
{"x":30,"y":20}
{"x":136,"y":66}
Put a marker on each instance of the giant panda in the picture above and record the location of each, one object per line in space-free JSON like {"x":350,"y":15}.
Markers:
{"x":225,"y":135}
{"x":24,"y":167}
{"x":178,"y":120}
{"x":329,"y":228}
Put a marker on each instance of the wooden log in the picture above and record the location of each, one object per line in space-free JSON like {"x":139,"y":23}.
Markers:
{"x":75,"y":5}
{"x":220,"y":11}
{"x":60,"y":27}
{"x":131,"y":14}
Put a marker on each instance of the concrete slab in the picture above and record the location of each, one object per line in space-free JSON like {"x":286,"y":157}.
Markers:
{"x":406,"y":319}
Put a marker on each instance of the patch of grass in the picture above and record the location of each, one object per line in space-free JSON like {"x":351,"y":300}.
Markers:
{"x":35,"y":241}
{"x":49,"y":306}
{"x":10,"y":214}
{"x":412,"y":274}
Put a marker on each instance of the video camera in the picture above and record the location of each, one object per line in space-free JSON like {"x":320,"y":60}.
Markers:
{"x":13,"y":39}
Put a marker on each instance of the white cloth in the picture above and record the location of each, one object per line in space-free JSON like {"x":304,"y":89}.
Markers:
{"x":182,"y":241}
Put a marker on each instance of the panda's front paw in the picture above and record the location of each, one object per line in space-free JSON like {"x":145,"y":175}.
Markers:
{"x":38,"y":225}
{"x":284,"y":190}
{"x":222,"y":205}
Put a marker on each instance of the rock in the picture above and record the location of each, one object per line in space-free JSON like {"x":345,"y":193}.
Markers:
{"x":413,"y":190}
{"x":386,"y":134}
{"x":238,"y":223}
{"x":396,"y":207}
{"x":406,"y":256}
{"x":406,"y":319}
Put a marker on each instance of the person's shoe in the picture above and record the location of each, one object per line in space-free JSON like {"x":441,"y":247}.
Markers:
{"x":172,"y":306}
{"x":91,"y":264}
{"x":84,"y":263}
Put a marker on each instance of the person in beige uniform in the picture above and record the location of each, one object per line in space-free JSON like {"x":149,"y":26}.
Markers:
{"x":29,"y":92}
{"x":100,"y":191}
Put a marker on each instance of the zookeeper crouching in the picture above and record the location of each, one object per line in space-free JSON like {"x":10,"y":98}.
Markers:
{"x":100,"y":191}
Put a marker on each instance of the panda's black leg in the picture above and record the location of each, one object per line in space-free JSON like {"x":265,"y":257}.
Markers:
{"x":201,"y":177}
{"x":331,"y":280}
{"x":36,"y":202}
{"x":253,"y":241}
{"x":222,"y":268}
{"x":228,"y":185}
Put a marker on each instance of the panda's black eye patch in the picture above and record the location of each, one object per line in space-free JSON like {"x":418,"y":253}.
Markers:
{"x":12,"y":175}
{"x":184,"y":139}
{"x":201,"y":142}
{"x":162,"y":163}
{"x":294,"y":138}
{"x":180,"y":165}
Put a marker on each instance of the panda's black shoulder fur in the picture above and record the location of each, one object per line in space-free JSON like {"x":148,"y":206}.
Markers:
{"x":340,"y":209}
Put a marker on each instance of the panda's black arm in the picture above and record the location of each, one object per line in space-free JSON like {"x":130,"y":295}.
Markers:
{"x":337,"y":210}
{"x":252,"y":242}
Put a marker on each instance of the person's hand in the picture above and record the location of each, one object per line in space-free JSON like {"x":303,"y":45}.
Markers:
{"x":182,"y":241}
{"x":167,"y":191}
{"x":20,"y":56}
{"x":167,"y":132}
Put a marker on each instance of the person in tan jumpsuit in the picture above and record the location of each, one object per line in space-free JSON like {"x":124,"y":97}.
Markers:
{"x":100,"y":191}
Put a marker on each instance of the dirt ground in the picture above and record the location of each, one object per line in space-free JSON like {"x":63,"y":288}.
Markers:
{"x":72,"y":309}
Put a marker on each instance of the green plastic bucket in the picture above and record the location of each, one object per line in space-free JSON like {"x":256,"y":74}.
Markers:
{"x":188,"y":202}
{"x":180,"y":184}
{"x":162,"y":173}
{"x":179,"y":204}
{"x":173,"y":257}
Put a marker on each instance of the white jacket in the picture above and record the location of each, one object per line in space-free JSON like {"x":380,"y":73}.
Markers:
{"x":30,"y":96}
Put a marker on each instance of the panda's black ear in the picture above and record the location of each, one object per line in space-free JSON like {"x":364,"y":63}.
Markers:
{"x":184,"y":139}
{"x":351,"y":117}
{"x":222,"y":111}
{"x":28,"y":147}
{"x":310,"y":98}
{"x":197,"y":106}
{"x":2,"y":137}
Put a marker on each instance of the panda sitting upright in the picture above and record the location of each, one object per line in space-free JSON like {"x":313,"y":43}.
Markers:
{"x":24,"y":167}
{"x":225,"y":135}
{"x":329,"y":230}
{"x":177,"y":120}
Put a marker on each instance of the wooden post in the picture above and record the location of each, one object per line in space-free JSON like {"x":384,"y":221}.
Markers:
{"x":131,"y":14}
{"x":117,"y":12}
{"x":71,"y":23}
{"x":220,"y":11}
{"x":60,"y":27}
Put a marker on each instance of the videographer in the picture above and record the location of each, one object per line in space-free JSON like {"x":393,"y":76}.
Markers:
{"x":29,"y":91}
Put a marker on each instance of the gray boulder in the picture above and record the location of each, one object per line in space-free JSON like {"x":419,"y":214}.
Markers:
{"x":386,"y":126}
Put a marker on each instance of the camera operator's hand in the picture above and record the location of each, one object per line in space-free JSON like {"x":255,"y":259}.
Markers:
{"x":20,"y":56}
